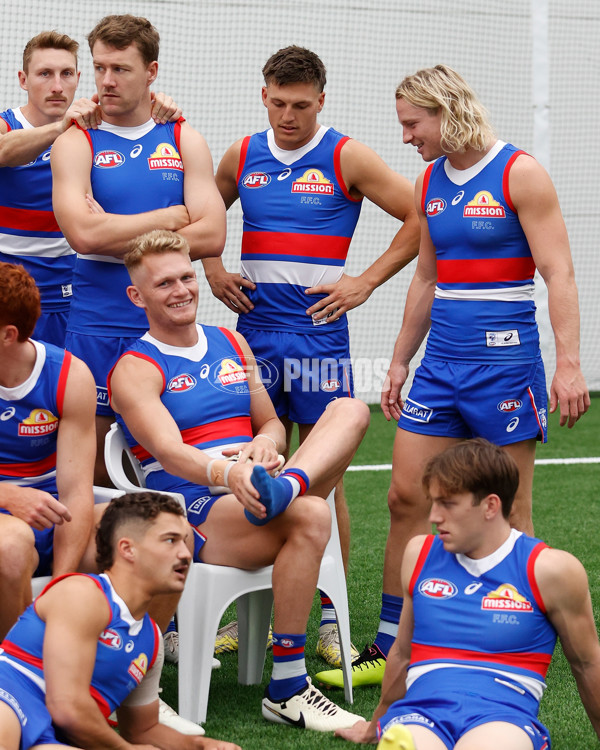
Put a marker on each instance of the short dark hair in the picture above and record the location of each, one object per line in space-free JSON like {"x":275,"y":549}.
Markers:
{"x":142,"y":507}
{"x":49,"y":40}
{"x":121,"y":31}
{"x":20,"y":299}
{"x":475,"y":466}
{"x":295,"y":65}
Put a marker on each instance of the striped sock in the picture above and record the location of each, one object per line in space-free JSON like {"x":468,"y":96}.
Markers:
{"x":391,"y":607}
{"x":289,"y":669}
{"x":276,"y":493}
{"x":327,"y":610}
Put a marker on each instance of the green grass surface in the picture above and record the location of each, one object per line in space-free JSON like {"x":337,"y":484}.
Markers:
{"x":565,"y":515}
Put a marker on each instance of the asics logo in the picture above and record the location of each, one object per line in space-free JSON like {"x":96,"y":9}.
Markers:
{"x":285,"y":174}
{"x":458,"y":197}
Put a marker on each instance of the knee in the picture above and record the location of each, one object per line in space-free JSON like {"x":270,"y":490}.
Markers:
{"x":406,"y":499}
{"x":17,"y":548}
{"x":353,"y":414}
{"x":312,"y":523}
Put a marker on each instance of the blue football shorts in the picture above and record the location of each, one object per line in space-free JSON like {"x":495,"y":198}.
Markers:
{"x":100,"y":354}
{"x":29,"y":704}
{"x":52,"y":328}
{"x":503,"y":403}
{"x":450,"y":702}
{"x":302,"y":372}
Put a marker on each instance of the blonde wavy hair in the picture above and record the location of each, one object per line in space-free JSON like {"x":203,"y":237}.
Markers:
{"x":156,"y":242}
{"x":464,"y":121}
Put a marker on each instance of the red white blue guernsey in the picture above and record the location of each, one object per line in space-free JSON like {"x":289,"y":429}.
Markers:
{"x":298,"y":223}
{"x":30,"y":416}
{"x":491,"y":607}
{"x":29,"y":234}
{"x":127,"y":648}
{"x":133,"y":170}
{"x":205,"y":390}
{"x":483,"y":309}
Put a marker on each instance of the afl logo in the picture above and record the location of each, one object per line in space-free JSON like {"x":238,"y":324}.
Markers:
{"x":181,"y":383}
{"x":510,"y":404}
{"x":111,"y":639}
{"x":330,"y":385}
{"x":108,"y":159}
{"x":435,"y":206}
{"x":438,"y":588}
{"x":256,"y":180}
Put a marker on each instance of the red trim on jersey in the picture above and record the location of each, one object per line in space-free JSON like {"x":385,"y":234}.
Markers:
{"x":484,"y":270}
{"x":177,"y":134}
{"x":230,"y":336}
{"x":295,"y":245}
{"x":535,"y":662}
{"x":13,"y":650}
{"x":87,"y":135}
{"x":243,"y":152}
{"x":141,"y":356}
{"x":27,"y":219}
{"x":531,"y":575}
{"x":62,"y":382}
{"x":338,"y":169}
{"x":505,"y":177}
{"x":30,"y":468}
{"x":420,"y":562}
{"x":426,"y":177}
{"x":157,"y":635}
{"x":7,"y":124}
{"x":101,"y":701}
{"x":221,"y":430}
{"x":68,"y":575}
{"x":535,"y":411}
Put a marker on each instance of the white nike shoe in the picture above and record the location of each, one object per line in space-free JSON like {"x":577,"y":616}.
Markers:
{"x":168,"y":717}
{"x":308,"y":709}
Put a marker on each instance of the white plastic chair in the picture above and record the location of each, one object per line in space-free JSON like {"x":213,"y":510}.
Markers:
{"x":210,"y":589}
{"x":101,"y":495}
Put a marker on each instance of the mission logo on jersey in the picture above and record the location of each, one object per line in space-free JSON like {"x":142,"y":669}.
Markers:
{"x":483,"y":204}
{"x":506,"y":597}
{"x":165,"y":157}
{"x":39,"y":422}
{"x":313,"y":181}
{"x":231,"y":372}
{"x":138,"y":668}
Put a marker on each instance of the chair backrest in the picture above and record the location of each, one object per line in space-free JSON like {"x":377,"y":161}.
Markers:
{"x":116,"y":451}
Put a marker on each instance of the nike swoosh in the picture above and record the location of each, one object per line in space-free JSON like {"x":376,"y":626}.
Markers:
{"x":299,"y":722}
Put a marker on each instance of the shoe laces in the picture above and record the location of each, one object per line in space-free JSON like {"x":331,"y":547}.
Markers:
{"x":231,"y":630}
{"x":369,"y":656}
{"x":330,"y":637}
{"x":315,"y":698}
{"x":171,"y":640}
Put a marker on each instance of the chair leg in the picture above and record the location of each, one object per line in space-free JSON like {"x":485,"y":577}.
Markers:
{"x":254,"y":617}
{"x":198,"y":626}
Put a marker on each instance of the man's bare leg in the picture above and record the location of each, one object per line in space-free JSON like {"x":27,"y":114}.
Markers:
{"x":18,"y":561}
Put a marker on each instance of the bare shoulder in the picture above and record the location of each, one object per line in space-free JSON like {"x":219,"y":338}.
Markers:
{"x":559,"y":576}
{"x":75,"y":593}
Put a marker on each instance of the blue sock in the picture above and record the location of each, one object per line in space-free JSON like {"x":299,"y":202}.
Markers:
{"x":391,"y":607}
{"x":327,"y":610}
{"x":289,"y":669}
{"x":276,"y":493}
{"x":170,"y":627}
